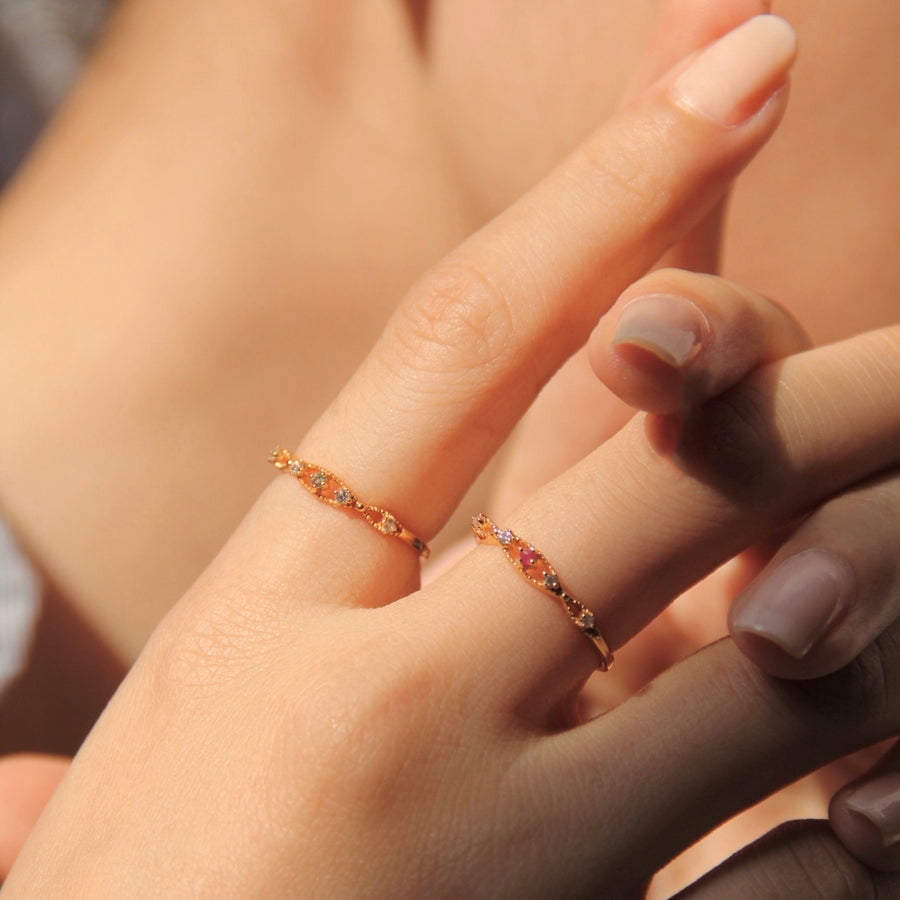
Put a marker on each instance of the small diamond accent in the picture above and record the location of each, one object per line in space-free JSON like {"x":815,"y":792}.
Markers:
{"x":389,"y":524}
{"x":296,"y":467}
{"x":342,"y":496}
{"x":319,"y":480}
{"x":504,"y":537}
{"x":587,"y":620}
{"x":551,"y":582}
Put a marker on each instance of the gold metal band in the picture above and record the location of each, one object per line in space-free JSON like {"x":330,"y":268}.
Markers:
{"x":328,"y":488}
{"x":532,"y":565}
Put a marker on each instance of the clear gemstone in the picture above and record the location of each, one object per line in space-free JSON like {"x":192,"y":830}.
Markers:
{"x":504,"y":537}
{"x":389,"y":524}
{"x":296,"y":467}
{"x":551,"y":582}
{"x":587,"y":619}
{"x":342,"y":496}
{"x":319,"y":480}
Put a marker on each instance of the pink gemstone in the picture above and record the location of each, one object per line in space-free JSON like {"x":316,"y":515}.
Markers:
{"x":527,"y":557}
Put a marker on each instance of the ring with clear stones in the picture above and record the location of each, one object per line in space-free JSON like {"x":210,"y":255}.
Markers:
{"x":328,"y":488}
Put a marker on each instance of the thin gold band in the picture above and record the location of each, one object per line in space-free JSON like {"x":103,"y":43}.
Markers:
{"x":328,"y":488}
{"x":532,"y":565}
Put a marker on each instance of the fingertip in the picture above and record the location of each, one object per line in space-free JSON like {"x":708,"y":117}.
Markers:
{"x":684,"y":26}
{"x":643,"y":347}
{"x":865,"y":816}
{"x":670,"y":327}
{"x":774,"y":660}
{"x":791,"y":621}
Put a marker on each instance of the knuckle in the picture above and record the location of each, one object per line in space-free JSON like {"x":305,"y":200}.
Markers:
{"x":620,"y":167}
{"x":732,"y":443}
{"x":207,"y":645}
{"x":459,"y":322}
{"x":860,"y":702}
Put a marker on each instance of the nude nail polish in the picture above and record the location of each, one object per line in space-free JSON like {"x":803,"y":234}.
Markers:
{"x":734,"y":77}
{"x":669,"y":326}
{"x":796,"y":603}
{"x":879,"y":802}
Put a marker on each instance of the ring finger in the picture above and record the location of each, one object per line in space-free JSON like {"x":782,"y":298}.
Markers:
{"x":756,"y":457}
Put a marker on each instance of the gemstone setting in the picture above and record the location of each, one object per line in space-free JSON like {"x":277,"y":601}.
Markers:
{"x":389,"y":525}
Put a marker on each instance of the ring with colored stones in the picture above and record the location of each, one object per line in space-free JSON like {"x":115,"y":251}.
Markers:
{"x":532,"y":565}
{"x":328,"y":488}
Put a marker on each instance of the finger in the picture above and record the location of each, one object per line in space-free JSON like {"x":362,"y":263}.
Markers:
{"x":472,"y":344}
{"x":710,"y":737}
{"x":675,"y":339}
{"x":797,"y":861}
{"x":26,"y":784}
{"x":644,"y":517}
{"x":574,"y":413}
{"x":681,"y":27}
{"x":865,"y":815}
{"x":830,"y":589}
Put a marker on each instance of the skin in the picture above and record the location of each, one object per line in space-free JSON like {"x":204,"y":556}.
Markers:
{"x":461,"y":162}
{"x":378,"y":752}
{"x":372,"y":780}
{"x":30,"y":495}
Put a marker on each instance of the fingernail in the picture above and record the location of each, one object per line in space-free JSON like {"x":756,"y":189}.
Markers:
{"x":879,"y":802}
{"x":795,"y":605}
{"x":667,"y":325}
{"x":732,"y":79}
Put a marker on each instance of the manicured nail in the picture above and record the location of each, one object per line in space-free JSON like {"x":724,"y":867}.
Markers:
{"x":879,"y":802}
{"x":667,"y":325}
{"x":732,"y":79}
{"x":797,"y":602}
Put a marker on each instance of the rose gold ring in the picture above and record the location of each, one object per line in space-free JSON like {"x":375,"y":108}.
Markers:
{"x":328,"y":488}
{"x":532,"y":565}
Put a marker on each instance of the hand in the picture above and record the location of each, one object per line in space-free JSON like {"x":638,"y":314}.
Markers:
{"x":324,"y":730}
{"x":587,"y":808}
{"x":135,"y":450}
{"x":670,"y":343}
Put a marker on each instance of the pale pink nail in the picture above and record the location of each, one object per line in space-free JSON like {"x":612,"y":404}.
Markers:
{"x":669,"y":326}
{"x":795,"y":604}
{"x":879,"y":802}
{"x":733,"y":78}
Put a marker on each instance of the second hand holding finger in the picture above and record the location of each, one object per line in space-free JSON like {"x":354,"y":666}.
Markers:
{"x":676,"y":339}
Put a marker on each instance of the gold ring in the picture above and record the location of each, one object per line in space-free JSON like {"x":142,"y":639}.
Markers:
{"x":328,"y":488}
{"x":532,"y":565}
